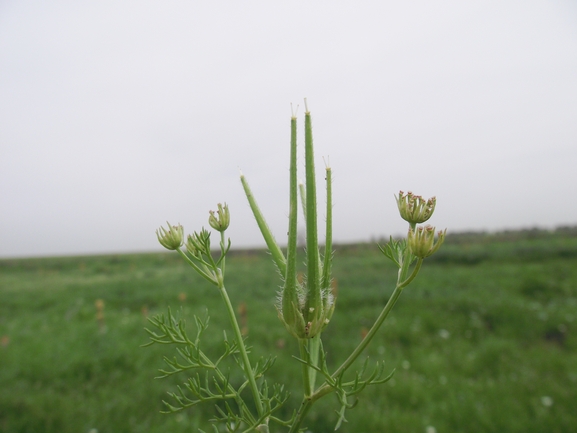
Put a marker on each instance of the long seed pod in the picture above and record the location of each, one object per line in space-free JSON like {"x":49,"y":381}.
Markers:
{"x":313,"y":304}
{"x":271,"y":243}
{"x":290,"y":303}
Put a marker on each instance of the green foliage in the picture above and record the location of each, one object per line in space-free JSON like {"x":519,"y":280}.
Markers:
{"x":474,"y":348}
{"x":208,"y":381}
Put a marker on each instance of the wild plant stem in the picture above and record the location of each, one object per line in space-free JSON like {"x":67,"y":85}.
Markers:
{"x":314,"y":350}
{"x":223,"y":252}
{"x":365,"y":342}
{"x":401,"y":284}
{"x":302,"y":412}
{"x":197,"y":268}
{"x":325,"y":389}
{"x":243,"y":353}
{"x":308,"y":389}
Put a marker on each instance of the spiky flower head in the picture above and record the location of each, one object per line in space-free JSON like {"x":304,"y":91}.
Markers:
{"x":422,"y":243}
{"x":414,"y":208}
{"x":171,"y":238}
{"x":222,"y":221}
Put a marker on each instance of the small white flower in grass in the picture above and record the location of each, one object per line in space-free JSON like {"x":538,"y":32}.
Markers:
{"x":546,"y":401}
{"x":443,"y":333}
{"x":430,"y":429}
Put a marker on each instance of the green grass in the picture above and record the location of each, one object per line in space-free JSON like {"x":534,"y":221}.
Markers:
{"x":483,"y":341}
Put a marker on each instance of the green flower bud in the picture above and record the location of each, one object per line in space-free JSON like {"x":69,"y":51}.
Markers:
{"x":414,"y":209}
{"x":422,"y":241}
{"x":221,"y":222}
{"x":172,"y":238}
{"x":191,"y":246}
{"x":198,"y":243}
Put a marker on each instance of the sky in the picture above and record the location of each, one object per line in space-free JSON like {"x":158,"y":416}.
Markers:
{"x":117,"y":116}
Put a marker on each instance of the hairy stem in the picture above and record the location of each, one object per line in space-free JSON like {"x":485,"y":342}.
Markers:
{"x":325,"y":389}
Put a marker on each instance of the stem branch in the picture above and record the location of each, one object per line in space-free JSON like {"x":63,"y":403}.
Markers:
{"x":243,"y":353}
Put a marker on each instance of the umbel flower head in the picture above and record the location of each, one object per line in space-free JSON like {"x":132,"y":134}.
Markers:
{"x":414,"y":208}
{"x":221,"y":221}
{"x":171,"y":238}
{"x":422,"y":243}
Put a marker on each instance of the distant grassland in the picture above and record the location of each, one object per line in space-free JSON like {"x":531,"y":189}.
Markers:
{"x":485,"y":340}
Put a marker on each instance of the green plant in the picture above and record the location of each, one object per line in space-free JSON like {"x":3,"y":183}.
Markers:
{"x":305,"y":307}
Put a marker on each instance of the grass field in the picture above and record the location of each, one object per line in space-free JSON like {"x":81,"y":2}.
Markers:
{"x":485,"y":340}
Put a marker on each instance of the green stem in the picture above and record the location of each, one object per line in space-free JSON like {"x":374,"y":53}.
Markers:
{"x":243,"y":353}
{"x":222,"y":252}
{"x":306,"y":405}
{"x":314,"y":350}
{"x":239,"y":401}
{"x":326,"y":388}
{"x":197,"y":268}
{"x":308,"y":388}
{"x":406,"y":260}
{"x":416,"y":270}
{"x":302,"y":412}
{"x":363,"y":344}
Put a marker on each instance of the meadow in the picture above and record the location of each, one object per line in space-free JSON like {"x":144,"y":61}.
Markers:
{"x":485,"y":340}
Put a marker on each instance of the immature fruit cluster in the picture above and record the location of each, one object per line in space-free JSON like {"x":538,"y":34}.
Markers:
{"x":171,"y":238}
{"x":422,"y":241}
{"x":306,"y":308}
{"x":222,"y":220}
{"x":415,"y":209}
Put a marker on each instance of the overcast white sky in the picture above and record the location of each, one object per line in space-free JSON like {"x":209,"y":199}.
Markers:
{"x":116,"y":116}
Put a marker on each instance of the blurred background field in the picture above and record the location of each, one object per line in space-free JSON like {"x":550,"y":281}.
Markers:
{"x":483,"y":341}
